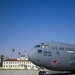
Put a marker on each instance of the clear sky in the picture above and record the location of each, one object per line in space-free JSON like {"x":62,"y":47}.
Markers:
{"x":25,"y":23}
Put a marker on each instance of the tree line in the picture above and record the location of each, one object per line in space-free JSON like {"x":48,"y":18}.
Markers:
{"x":2,"y":57}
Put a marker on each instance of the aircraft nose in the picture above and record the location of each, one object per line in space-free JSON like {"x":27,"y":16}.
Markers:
{"x":34,"y":57}
{"x":31,"y":56}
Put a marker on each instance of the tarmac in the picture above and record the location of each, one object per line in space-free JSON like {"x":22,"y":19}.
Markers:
{"x":31,"y":72}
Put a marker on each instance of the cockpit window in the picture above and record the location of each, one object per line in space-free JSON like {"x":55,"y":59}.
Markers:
{"x":45,"y":46}
{"x":42,"y":46}
{"x":37,"y":46}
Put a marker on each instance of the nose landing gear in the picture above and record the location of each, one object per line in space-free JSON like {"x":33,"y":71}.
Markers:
{"x":42,"y":73}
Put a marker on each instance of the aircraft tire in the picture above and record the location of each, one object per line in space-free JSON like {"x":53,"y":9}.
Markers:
{"x":42,"y":73}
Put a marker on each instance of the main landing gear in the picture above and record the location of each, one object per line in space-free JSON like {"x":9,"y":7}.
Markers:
{"x":42,"y":72}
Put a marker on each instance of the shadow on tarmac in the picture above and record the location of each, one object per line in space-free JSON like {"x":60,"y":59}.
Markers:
{"x":61,"y":74}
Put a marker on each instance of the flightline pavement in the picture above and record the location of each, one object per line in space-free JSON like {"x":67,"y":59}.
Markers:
{"x":30,"y":72}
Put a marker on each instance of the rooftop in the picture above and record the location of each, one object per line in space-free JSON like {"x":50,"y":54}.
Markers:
{"x":15,"y":60}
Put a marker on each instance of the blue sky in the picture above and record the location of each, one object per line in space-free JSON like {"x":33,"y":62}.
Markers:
{"x":25,"y":23}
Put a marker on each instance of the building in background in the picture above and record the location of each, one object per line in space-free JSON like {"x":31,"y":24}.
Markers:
{"x":20,"y":63}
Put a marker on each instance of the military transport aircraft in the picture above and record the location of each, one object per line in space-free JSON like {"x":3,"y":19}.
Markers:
{"x":55,"y":56}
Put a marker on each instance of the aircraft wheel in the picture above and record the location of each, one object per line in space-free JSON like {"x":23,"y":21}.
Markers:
{"x":44,"y":73}
{"x":40,"y":72}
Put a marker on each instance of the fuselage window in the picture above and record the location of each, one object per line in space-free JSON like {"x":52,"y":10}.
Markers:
{"x":39,"y":51}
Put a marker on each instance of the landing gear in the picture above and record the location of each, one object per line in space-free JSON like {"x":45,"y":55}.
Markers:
{"x":42,"y":73}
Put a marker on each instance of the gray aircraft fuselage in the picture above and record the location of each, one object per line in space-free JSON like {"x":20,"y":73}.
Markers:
{"x":55,"y":56}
